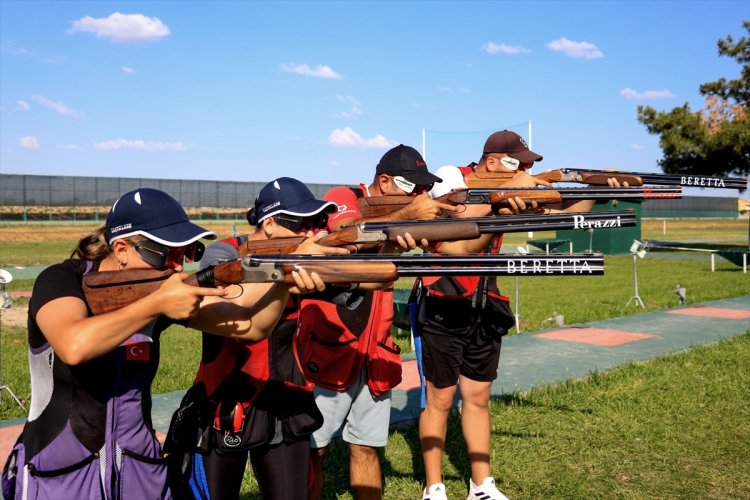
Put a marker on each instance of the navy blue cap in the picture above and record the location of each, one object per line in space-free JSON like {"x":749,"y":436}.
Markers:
{"x":155,"y":215}
{"x":287,"y":196}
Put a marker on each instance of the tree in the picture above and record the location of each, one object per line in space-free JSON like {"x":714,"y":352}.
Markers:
{"x":716,"y":139}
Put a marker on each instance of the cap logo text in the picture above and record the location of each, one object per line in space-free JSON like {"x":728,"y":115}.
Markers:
{"x":121,"y":227}
{"x":269,"y":207}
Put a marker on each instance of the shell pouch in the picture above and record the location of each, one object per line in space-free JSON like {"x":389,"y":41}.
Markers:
{"x":384,"y":367}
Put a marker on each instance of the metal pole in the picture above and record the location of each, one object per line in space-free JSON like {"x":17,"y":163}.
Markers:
{"x":518,"y":316}
{"x":530,"y":139}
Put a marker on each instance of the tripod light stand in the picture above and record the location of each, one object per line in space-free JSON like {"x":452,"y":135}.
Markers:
{"x":638,"y":250}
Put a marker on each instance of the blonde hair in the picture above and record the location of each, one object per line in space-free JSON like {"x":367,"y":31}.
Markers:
{"x":92,"y":247}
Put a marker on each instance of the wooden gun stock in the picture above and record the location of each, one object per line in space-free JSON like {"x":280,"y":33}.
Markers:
{"x":108,"y":291}
{"x":345,"y":272}
{"x":500,"y":198}
{"x":435,"y":231}
{"x":378,"y":206}
{"x":274,"y":246}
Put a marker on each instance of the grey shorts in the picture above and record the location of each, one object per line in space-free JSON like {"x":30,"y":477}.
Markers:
{"x":365,"y":418}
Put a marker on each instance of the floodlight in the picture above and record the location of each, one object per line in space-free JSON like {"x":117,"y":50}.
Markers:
{"x":5,"y":276}
{"x":638,"y":250}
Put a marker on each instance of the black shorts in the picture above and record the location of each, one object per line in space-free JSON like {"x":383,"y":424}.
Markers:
{"x":444,"y":357}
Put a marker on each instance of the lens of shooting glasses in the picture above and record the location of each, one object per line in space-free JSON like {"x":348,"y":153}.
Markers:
{"x":302,"y":224}
{"x":194,"y":252}
{"x":158,"y":255}
{"x":154,"y":254}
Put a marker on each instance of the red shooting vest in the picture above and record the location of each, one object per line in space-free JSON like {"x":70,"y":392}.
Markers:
{"x":225,"y":359}
{"x":454,"y":305}
{"x":335,"y":342}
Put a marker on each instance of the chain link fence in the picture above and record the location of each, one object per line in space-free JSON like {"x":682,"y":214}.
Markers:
{"x":47,"y":198}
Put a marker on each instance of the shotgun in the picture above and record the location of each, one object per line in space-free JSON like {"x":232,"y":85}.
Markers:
{"x":376,"y":206}
{"x":472,"y":227}
{"x":111,"y":290}
{"x":599,"y":178}
{"x":446,"y":229}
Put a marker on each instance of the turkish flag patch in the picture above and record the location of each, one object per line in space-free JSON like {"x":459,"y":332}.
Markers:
{"x":137,"y":351}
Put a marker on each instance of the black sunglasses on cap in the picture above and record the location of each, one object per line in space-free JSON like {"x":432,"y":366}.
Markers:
{"x":157,"y":255}
{"x":299,"y":224}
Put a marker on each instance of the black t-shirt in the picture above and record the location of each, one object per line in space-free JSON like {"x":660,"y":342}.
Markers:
{"x":57,"y":281}
{"x":66,"y":280}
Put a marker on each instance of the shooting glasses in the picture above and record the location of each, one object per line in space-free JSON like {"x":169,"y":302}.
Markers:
{"x":158,"y":255}
{"x":299,"y":224}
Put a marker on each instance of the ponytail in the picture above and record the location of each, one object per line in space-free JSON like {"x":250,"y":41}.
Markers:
{"x":92,"y":247}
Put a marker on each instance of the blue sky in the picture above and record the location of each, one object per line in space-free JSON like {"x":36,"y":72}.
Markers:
{"x":320,"y":90}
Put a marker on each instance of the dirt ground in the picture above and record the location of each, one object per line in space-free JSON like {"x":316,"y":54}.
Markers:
{"x":15,"y":316}
{"x":73,"y":232}
{"x":22,"y":233}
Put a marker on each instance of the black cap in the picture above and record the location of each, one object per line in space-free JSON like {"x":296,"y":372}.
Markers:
{"x":408,"y":163}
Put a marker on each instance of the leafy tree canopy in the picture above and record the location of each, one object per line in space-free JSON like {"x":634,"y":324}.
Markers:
{"x":716,"y":139}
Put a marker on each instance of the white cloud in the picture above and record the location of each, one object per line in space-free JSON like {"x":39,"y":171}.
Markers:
{"x":29,"y":142}
{"x":71,"y":147}
{"x":126,"y":69}
{"x":637,"y":147}
{"x":349,"y":100}
{"x":577,"y":50}
{"x":318,"y":72}
{"x":493,"y":48}
{"x":122,"y":28}
{"x":629,"y":93}
{"x":23,"y":106}
{"x":141,"y":145}
{"x":56,"y":106}
{"x":348,"y":138}
{"x":352,"y":113}
{"x":10,"y":49}
{"x":443,"y":88}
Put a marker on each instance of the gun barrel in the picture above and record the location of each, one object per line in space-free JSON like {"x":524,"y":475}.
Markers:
{"x":696,"y":181}
{"x":584,"y":193}
{"x":452,"y":265}
{"x":525,"y":222}
{"x":709,"y":181}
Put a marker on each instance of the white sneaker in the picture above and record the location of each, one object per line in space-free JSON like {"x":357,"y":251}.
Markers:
{"x":487,"y":491}
{"x":435,"y":492}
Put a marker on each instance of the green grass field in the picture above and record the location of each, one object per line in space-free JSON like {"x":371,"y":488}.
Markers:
{"x":677,"y":427}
